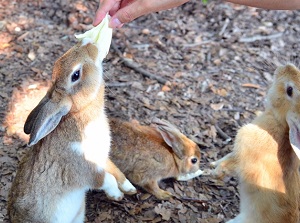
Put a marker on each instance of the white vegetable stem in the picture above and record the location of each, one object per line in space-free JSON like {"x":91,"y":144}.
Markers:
{"x":188,"y":176}
{"x":101,"y":35}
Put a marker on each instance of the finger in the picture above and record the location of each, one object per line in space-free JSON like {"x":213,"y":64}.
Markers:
{"x":121,"y":4}
{"x":139,"y":8}
{"x":105,"y":7}
{"x":126,"y":14}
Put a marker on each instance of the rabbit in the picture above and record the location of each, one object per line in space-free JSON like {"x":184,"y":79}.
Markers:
{"x":70,"y":135}
{"x":148,"y":154}
{"x":266,"y":156}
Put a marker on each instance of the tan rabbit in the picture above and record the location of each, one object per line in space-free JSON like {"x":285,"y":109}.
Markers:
{"x":266,"y":156}
{"x":147,"y":154}
{"x":71,"y":138}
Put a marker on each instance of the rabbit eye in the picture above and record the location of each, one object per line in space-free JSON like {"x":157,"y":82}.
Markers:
{"x":75,"y":76}
{"x":194,"y":160}
{"x":289,"y":91}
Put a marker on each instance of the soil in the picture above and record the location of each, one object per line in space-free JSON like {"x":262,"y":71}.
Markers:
{"x":216,"y":62}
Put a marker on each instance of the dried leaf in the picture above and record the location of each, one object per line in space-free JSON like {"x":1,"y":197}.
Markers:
{"x":128,"y":56}
{"x":31,"y":55}
{"x":212,"y":132}
{"x":222,"y":92}
{"x":166,"y":88}
{"x":165,"y":213}
{"x":217,"y":106}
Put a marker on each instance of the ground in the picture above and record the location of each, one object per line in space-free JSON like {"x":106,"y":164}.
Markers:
{"x":211,"y":66}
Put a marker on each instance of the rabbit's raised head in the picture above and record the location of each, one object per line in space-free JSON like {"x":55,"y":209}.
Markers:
{"x":284,"y":101}
{"x":187,"y":152}
{"x":77,"y":81}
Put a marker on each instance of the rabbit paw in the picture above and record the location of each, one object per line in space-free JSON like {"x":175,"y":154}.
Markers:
{"x":163,"y":195}
{"x":127,"y":188}
{"x":110,"y":187}
{"x":116,"y":195}
{"x":218,"y":173}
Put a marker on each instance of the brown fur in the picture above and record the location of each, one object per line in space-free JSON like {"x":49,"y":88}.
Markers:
{"x":52,"y":169}
{"x":265,"y":161}
{"x":145,"y":158}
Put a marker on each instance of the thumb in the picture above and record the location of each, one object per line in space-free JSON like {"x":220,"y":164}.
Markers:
{"x":104,"y":8}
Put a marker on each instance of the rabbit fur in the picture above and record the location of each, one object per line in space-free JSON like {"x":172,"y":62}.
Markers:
{"x":265,"y":156}
{"x":70,"y":135}
{"x":148,"y":154}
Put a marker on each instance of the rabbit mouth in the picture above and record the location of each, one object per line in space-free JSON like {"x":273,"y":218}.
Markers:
{"x":188,"y":176}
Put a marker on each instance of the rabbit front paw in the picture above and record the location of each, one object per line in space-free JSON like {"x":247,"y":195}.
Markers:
{"x":218,"y":173}
{"x":127,"y":188}
{"x":163,"y":195}
{"x":116,"y":195}
{"x":110,"y":187}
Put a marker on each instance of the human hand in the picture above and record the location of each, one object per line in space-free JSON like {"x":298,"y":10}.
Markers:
{"x":124,"y":11}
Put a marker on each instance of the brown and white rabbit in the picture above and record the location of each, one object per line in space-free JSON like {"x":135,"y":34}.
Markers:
{"x":266,"y":156}
{"x":70,"y":135}
{"x":148,"y":154}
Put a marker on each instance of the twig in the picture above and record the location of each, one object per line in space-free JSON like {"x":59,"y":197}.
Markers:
{"x":255,"y":38}
{"x":222,"y":134}
{"x":191,"y":199}
{"x":118,"y":84}
{"x":234,"y":110}
{"x":191,"y":45}
{"x":140,"y":46}
{"x":136,"y":67}
{"x":226,"y":23}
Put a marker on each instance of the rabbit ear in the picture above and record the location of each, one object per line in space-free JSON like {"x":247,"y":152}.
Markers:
{"x":44,"y":118}
{"x":165,"y":123}
{"x":294,"y":135}
{"x":171,"y":136}
{"x":33,"y":114}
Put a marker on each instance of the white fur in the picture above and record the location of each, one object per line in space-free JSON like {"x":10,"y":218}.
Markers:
{"x":240,"y":218}
{"x":76,"y":147}
{"x":127,"y":186}
{"x":95,"y":145}
{"x":80,"y":218}
{"x":110,"y":186}
{"x":69,"y":206}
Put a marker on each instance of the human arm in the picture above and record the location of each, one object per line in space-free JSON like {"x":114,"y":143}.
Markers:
{"x":124,"y":11}
{"x":270,"y":4}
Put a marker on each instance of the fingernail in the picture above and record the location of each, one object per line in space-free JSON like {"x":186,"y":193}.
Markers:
{"x":115,"y":23}
{"x":95,"y":23}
